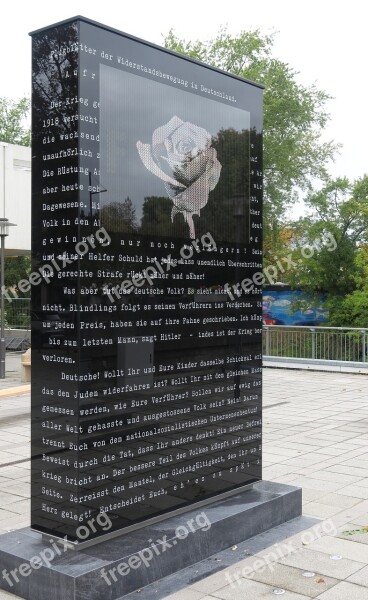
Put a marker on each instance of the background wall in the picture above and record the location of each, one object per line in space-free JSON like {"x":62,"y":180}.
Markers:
{"x":15,"y":196}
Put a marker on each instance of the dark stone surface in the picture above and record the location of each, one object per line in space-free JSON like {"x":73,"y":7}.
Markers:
{"x":221,"y":561}
{"x":77,"y":575}
{"x":146,"y":390}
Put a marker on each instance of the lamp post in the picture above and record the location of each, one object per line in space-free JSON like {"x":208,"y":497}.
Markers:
{"x":4,"y":231}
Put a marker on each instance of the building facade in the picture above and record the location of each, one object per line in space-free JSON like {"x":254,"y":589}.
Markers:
{"x":15,"y":196}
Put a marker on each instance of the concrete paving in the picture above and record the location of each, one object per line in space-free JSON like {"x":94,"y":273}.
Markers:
{"x":13,"y":375}
{"x":316,"y":437}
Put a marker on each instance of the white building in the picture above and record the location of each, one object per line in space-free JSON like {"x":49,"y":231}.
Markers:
{"x":15,"y":196}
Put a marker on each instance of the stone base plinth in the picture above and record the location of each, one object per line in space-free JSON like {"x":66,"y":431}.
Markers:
{"x":114,"y":568}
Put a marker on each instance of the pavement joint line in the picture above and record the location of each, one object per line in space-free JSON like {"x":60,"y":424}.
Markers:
{"x":14,"y":417}
{"x":15,"y":462}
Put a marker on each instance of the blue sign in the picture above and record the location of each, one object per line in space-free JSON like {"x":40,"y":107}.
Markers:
{"x":278,"y":308}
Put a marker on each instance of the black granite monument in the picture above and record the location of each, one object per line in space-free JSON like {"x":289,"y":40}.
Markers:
{"x":146,"y":364}
{"x":146,"y":312}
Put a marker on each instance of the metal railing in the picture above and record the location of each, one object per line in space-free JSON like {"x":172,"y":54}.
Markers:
{"x":283,"y":341}
{"x":316,"y":343}
{"x":18,"y":313}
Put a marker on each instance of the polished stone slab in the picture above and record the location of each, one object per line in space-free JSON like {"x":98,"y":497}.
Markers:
{"x":115,"y":568}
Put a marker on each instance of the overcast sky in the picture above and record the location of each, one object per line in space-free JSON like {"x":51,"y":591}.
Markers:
{"x":325,"y":40}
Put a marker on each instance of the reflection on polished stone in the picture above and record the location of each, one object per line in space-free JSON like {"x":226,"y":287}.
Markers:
{"x":146,"y":340}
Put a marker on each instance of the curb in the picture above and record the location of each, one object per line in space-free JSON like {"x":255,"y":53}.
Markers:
{"x":15,"y":391}
{"x":329,"y":366}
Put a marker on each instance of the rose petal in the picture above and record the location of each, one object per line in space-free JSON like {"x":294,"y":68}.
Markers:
{"x":188,"y":171}
{"x":168,"y":145}
{"x":214,"y":174}
{"x":189,"y":220}
{"x":194,"y":198}
{"x":185,"y":148}
{"x":161,"y":133}
{"x":199,"y":137}
{"x":144,"y":151}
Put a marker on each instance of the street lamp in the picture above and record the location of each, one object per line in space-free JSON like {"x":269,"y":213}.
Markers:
{"x":4,"y":231}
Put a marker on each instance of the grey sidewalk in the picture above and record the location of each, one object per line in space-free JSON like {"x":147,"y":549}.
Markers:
{"x":316,"y":437}
{"x":13,"y":375}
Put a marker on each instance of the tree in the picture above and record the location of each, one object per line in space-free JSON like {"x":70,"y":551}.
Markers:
{"x":16,"y":269}
{"x":352,"y":310}
{"x":119,"y":217}
{"x":13,"y":114}
{"x":329,"y":250}
{"x":294,"y":115}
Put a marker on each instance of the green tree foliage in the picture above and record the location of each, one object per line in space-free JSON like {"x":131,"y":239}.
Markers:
{"x":13,"y":115}
{"x":330,"y":250}
{"x":17,"y":268}
{"x":351,"y":310}
{"x":294,"y":115}
{"x":119,"y":217}
{"x":156,"y":219}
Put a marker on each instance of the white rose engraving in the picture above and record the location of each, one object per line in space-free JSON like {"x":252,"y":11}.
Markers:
{"x":182,"y":157}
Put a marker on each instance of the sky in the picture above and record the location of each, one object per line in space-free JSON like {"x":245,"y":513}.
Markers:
{"x":324,"y":40}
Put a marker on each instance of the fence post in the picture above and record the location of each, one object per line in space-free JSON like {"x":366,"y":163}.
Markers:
{"x":267,"y":340}
{"x":313,"y":343}
{"x":364,"y":349}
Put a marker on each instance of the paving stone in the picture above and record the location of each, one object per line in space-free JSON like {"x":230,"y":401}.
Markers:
{"x":277,"y":470}
{"x":303,"y":460}
{"x":311,"y":495}
{"x":216,"y":581}
{"x":319,"y":510}
{"x":336,"y":499}
{"x":355,"y":491}
{"x":338,"y":468}
{"x":359,"y":521}
{"x":286,"y":478}
{"x":21,"y":507}
{"x":14,"y":472}
{"x":317,"y":484}
{"x":354,"y":533}
{"x":337,"y":546}
{"x":20,"y":489}
{"x":362,"y":482}
{"x":321,"y":563}
{"x":245,"y":589}
{"x":360,"y":577}
{"x":304,"y":448}
{"x":345,"y":591}
{"x":208,"y":598}
{"x":8,"y":499}
{"x":282,"y":576}
{"x":336,"y":477}
{"x":6,"y":513}
{"x":185,"y":595}
{"x":6,"y":596}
